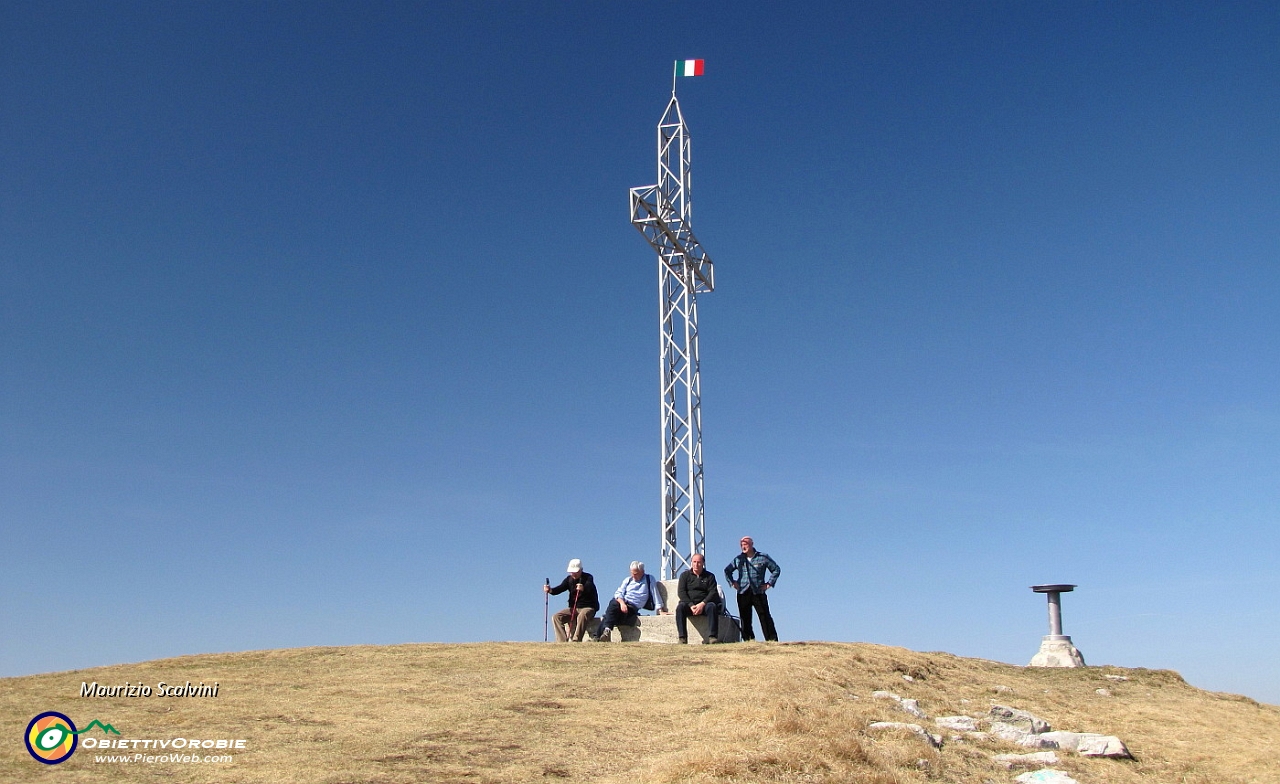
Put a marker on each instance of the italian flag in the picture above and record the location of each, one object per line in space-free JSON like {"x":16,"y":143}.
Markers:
{"x":689,"y":67}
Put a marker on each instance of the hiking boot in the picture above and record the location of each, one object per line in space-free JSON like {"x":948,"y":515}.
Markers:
{"x":684,"y":640}
{"x":712,"y":640}
{"x":604,"y":635}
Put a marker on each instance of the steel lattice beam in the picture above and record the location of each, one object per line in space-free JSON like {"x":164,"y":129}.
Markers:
{"x":661,"y":213}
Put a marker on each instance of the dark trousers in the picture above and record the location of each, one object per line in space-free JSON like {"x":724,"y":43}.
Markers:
{"x":616,"y":617}
{"x":711,"y":610}
{"x":760,"y":603}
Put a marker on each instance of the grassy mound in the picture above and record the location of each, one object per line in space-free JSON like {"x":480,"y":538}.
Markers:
{"x":524,"y":712}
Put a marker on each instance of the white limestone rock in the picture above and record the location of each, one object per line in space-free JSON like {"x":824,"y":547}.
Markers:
{"x":1031,"y":741}
{"x":1022,"y":737}
{"x":1108,"y":746}
{"x":1090,"y":744}
{"x":1034,"y":760}
{"x":910,"y":706}
{"x":1067,"y":741}
{"x":933,"y":740}
{"x":895,"y":725}
{"x":957,"y":723}
{"x":1019,"y":718}
{"x":1006,"y":731}
{"x":1045,"y":776}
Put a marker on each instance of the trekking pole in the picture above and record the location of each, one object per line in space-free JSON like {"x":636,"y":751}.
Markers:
{"x":546,"y":608}
{"x":573,"y":612}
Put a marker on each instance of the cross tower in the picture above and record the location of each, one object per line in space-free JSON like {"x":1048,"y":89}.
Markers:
{"x":661,"y":213}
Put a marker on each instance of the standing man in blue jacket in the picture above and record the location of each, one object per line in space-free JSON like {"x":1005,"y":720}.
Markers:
{"x":752,"y":574}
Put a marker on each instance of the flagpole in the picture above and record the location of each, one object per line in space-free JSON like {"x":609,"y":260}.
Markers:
{"x":674,"y":67}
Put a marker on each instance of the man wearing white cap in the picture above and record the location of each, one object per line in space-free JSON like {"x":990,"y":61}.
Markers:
{"x":571,"y":622}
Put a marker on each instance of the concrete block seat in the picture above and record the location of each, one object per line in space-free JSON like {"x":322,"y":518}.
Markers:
{"x":662,"y":628}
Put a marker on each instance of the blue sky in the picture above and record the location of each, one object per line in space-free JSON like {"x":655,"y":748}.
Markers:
{"x":324,"y":324}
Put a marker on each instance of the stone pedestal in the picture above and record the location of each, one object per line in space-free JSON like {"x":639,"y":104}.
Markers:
{"x":662,"y":628}
{"x":1056,"y":650}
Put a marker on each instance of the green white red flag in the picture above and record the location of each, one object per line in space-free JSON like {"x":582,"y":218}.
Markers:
{"x":689,"y":67}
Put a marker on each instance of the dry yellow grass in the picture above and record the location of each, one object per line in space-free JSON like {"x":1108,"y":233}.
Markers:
{"x":515,"y":712}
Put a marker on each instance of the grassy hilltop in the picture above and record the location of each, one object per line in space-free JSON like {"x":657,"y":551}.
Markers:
{"x":525,"y":712}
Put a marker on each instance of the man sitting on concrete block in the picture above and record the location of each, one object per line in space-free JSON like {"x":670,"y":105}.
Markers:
{"x":637,"y":592}
{"x":572,"y":622}
{"x":699,"y":595}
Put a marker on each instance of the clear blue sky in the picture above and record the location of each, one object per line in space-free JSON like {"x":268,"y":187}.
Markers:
{"x":323,"y":323}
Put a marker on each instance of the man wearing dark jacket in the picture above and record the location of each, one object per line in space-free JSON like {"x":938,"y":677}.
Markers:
{"x":698,"y":596}
{"x":571,"y":622}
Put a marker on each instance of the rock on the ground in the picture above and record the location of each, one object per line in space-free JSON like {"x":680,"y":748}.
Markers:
{"x":1034,"y":760}
{"x":1019,"y":718}
{"x":1017,"y":735}
{"x":1007,"y":731}
{"x":933,"y":740}
{"x":1090,"y":744}
{"x":1108,"y":746}
{"x":1045,"y":776}
{"x":958,"y":723}
{"x":910,"y":706}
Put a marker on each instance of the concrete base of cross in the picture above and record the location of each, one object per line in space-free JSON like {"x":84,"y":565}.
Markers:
{"x":1056,"y":650}
{"x":662,"y":628}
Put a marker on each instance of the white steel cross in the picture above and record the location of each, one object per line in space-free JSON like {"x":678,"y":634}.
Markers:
{"x":661,"y":213}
